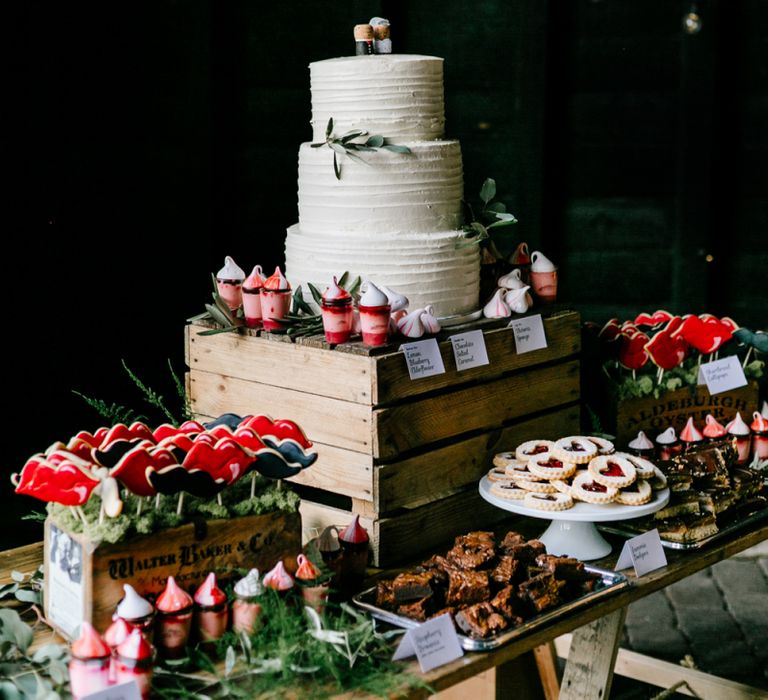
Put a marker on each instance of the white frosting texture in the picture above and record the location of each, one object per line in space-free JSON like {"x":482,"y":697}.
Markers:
{"x":398,"y":96}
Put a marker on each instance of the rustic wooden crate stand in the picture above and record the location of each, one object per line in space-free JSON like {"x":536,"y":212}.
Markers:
{"x":84,"y":580}
{"x":405,"y":455}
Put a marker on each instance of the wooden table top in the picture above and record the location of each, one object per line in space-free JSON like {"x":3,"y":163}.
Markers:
{"x":680,"y":564}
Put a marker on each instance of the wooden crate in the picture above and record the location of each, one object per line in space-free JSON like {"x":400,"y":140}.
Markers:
{"x":624,"y":418}
{"x":84,"y":580}
{"x":395,"y":450}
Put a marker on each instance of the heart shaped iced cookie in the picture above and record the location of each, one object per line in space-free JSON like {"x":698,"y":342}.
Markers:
{"x":575,"y":449}
{"x":548,"y":466}
{"x":612,"y":470}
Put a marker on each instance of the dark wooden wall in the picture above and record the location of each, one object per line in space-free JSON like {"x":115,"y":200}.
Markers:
{"x":149,"y":140}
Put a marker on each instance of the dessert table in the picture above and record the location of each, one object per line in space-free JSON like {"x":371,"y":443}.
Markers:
{"x":596,"y":630}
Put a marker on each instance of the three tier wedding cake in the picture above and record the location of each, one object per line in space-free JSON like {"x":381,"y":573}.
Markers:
{"x":396,"y":218}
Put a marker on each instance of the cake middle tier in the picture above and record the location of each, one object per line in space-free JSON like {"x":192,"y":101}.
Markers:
{"x":390,"y":193}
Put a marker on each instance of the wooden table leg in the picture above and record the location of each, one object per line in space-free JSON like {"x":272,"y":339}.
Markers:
{"x":546,"y":661}
{"x":589,"y":671}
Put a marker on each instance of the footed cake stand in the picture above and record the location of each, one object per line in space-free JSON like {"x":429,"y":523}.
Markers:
{"x":573,"y":532}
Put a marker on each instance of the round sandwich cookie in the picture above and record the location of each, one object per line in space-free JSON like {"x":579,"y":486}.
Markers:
{"x":548,"y":501}
{"x":548,"y":466}
{"x":636,"y":495}
{"x":612,"y":470}
{"x":519,"y":470}
{"x":499,"y":474}
{"x":576,"y":449}
{"x":536,"y":485}
{"x":604,"y":447}
{"x":532,"y":448}
{"x":585,"y":488}
{"x":643,"y":467}
{"x":502,"y":459}
{"x":508,"y":491}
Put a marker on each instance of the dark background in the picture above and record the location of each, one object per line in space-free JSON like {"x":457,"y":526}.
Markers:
{"x":148,"y":140}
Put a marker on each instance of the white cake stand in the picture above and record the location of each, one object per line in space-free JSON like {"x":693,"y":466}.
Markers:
{"x":572,"y":532}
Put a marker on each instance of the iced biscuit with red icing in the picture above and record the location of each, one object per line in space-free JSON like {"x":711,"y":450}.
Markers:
{"x":585,"y":488}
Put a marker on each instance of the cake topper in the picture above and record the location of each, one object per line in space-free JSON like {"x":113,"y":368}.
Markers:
{"x":382,"y":44}
{"x":363,"y":39}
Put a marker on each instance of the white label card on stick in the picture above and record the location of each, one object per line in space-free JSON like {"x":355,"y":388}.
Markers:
{"x":529,"y":333}
{"x":722,"y":375}
{"x":469,"y":350}
{"x":423,"y":358}
{"x":124,"y":691}
{"x":644,"y":552}
{"x":434,"y":642}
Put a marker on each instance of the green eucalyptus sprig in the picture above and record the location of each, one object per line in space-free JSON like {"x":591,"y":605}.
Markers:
{"x":345,"y":145}
{"x":492,"y":215}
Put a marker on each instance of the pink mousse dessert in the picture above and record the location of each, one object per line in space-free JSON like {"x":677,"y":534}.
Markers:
{"x":252,"y":287}
{"x":313,"y":590}
{"x":229,"y":283}
{"x":759,"y":428}
{"x":336,"y":310}
{"x":136,"y":611}
{"x":133,"y":662}
{"x":690,"y":434}
{"x":211,"y":614}
{"x":713,"y":431}
{"x":275,"y":300}
{"x":246,"y":608}
{"x":374,"y":315}
{"x":742,"y":438}
{"x":174,"y":620}
{"x":89,"y":664}
{"x":278,"y":579}
{"x":667,"y":444}
{"x":641,"y":446}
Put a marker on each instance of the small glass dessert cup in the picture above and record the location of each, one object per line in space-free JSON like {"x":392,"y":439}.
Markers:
{"x":173,"y":621}
{"x":89,"y":663}
{"x":136,"y":611}
{"x":374,"y":315}
{"x":337,"y":314}
{"x":313,"y":586}
{"x":252,"y":288}
{"x":134,"y":659}
{"x":211,"y":614}
{"x":741,"y":434}
{"x":229,"y":283}
{"x":246,"y":608}
{"x":275,"y":300}
{"x":543,"y":277}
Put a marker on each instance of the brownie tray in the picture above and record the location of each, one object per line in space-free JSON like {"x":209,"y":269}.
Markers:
{"x":609,"y":584}
{"x":625,"y":529}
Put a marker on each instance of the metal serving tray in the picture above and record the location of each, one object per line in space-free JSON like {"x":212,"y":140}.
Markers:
{"x":624,"y":529}
{"x":610,"y":583}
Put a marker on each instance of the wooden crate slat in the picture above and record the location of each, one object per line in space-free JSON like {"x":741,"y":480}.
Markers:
{"x":437,"y":473}
{"x":287,"y":365}
{"x":324,"y":419}
{"x":421,"y":422}
{"x":392,"y":383}
{"x":341,"y":471}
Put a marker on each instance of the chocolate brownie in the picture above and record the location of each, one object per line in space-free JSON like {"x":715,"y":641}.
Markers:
{"x":563,"y":568}
{"x":467,"y":587}
{"x":506,"y":603}
{"x":480,"y":621}
{"x":416,"y":610}
{"x":508,"y":570}
{"x":542,"y":591}
{"x":412,"y":585}
{"x":385,"y":596}
{"x":526,"y":552}
{"x":511,"y":539}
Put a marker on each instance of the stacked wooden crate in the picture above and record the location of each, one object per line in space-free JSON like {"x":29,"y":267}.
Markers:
{"x":405,"y":455}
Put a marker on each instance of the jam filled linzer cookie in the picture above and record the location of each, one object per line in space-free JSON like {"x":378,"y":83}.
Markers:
{"x":499,"y":474}
{"x":532,"y":448}
{"x":548,"y":501}
{"x":519,"y":470}
{"x":636,"y":495}
{"x":503,"y":459}
{"x":612,"y":470}
{"x":508,"y":490}
{"x":536,"y":485}
{"x":643,"y":467}
{"x":604,"y":447}
{"x":585,"y":488}
{"x":576,"y":449}
{"x":547,"y":466}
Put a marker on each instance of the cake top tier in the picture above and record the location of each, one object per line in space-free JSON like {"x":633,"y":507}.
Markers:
{"x":396,"y":95}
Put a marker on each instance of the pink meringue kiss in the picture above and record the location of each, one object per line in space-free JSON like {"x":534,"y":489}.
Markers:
{"x":690,"y":434}
{"x":89,"y":664}
{"x":278,"y":579}
{"x":713,"y":430}
{"x":173,"y":622}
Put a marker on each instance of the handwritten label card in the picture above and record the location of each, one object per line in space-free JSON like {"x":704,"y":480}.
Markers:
{"x":722,"y":375}
{"x":529,"y":333}
{"x":469,"y":350}
{"x":423,"y":358}
{"x":434,"y":642}
{"x":644,"y":552}
{"x":124,"y":691}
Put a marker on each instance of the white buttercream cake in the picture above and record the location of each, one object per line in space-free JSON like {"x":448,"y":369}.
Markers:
{"x":395,"y":220}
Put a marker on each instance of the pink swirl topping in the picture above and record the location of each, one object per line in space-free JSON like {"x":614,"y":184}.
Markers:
{"x":117,"y":632}
{"x":668,"y":437}
{"x":713,"y":429}
{"x":277,"y":282}
{"x":760,"y":423}
{"x":691,"y":433}
{"x":89,"y":645}
{"x":737,"y":426}
{"x":307,"y":571}
{"x":641,"y":442}
{"x":135,"y":647}
{"x":209,"y":594}
{"x":173,"y":598}
{"x":255,"y":280}
{"x":278,"y":578}
{"x":334,"y":292}
{"x":354,"y":533}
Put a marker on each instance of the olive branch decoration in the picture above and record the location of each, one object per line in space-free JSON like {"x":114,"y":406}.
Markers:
{"x":345,"y":145}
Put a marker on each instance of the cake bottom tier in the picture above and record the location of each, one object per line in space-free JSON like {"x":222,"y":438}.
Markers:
{"x":436,"y":268}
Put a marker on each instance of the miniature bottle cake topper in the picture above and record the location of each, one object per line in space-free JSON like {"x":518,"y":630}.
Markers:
{"x":641,"y":446}
{"x":354,"y":543}
{"x":246,"y":607}
{"x":309,"y":577}
{"x":229,"y":282}
{"x":174,"y":620}
{"x":713,"y":430}
{"x":374,"y":315}
{"x":759,"y":427}
{"x":742,"y":437}
{"x":278,"y":579}
{"x":667,"y":444}
{"x":543,"y":277}
{"x":275,"y":300}
{"x":336,"y":310}
{"x":363,"y":39}
{"x":252,"y":287}
{"x":133,"y":662}
{"x":211,"y":613}
{"x":382,"y":44}
{"x":690,"y":434}
{"x":135,"y":610}
{"x":89,"y":663}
